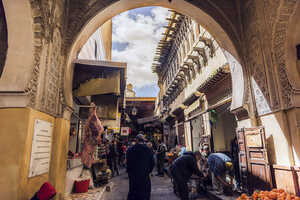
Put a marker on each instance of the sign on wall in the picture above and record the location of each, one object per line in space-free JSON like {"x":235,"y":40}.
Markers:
{"x":41,"y":148}
{"x":125,"y":131}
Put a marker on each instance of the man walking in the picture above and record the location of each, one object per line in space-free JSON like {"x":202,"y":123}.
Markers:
{"x":161,"y":155}
{"x":181,"y":170}
{"x":140,"y":164}
{"x":114,"y":157}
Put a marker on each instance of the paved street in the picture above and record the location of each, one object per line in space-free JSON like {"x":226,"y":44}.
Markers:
{"x":161,"y":189}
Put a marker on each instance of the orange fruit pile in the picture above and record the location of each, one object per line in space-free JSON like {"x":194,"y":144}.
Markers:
{"x":278,"y":194}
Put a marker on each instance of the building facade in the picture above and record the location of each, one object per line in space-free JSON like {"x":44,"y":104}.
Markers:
{"x":201,"y":89}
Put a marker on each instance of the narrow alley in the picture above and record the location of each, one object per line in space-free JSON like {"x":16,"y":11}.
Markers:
{"x":161,"y":189}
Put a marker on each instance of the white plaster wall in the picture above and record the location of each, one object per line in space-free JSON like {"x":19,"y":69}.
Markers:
{"x":278,"y":145}
{"x":237,"y":78}
{"x":294,"y":123}
{"x":88,"y":49}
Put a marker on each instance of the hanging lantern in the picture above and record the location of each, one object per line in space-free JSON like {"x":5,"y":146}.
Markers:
{"x":134,"y":111}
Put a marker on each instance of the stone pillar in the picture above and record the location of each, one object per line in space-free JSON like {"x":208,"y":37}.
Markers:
{"x":59,"y":156}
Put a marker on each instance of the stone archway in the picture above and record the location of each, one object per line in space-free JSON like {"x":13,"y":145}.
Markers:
{"x":211,"y":16}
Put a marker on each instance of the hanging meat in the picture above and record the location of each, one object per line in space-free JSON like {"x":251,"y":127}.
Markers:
{"x":92,"y":137}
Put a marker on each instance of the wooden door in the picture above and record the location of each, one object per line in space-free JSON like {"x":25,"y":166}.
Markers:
{"x":242,"y":159}
{"x":254,"y":164}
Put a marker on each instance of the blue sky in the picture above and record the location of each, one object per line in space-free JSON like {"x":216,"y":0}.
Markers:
{"x":136,"y":34}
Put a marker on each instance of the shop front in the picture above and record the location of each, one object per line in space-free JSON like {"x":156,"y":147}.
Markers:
{"x":102,"y":83}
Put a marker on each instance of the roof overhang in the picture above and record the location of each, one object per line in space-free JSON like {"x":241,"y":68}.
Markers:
{"x":93,"y":77}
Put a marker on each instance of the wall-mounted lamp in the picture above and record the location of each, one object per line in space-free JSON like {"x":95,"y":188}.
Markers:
{"x":298,"y":51}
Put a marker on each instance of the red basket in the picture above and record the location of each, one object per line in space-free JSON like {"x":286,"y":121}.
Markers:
{"x":46,"y":192}
{"x":82,"y":186}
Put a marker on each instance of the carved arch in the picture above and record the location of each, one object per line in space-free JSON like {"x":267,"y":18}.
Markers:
{"x":84,"y":17}
{"x":286,"y":33}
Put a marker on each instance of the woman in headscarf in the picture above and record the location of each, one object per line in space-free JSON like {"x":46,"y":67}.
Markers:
{"x":92,"y":137}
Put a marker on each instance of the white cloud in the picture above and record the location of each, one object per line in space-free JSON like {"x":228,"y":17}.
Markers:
{"x":142,"y":33}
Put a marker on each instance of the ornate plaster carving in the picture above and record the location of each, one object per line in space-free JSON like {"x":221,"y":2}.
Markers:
{"x":279,"y":38}
{"x":47,"y":33}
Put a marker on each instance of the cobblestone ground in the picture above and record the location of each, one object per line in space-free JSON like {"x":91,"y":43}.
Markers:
{"x":161,"y":189}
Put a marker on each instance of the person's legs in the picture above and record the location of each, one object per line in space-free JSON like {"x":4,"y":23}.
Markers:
{"x":179,"y":185}
{"x":131,"y":188}
{"x":183,"y":190}
{"x":160,"y":163}
{"x":116,"y":166}
{"x":139,"y":188}
{"x":110,"y":165}
{"x":148,"y":188}
{"x":216,"y":184}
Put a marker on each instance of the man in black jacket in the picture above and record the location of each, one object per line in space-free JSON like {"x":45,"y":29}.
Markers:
{"x":140,"y":164}
{"x":114,"y":157}
{"x":182,"y":169}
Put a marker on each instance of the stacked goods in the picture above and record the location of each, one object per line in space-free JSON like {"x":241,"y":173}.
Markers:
{"x":278,"y":194}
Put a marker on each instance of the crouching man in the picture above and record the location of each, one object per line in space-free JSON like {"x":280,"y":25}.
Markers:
{"x":182,"y":169}
{"x":220,"y":165}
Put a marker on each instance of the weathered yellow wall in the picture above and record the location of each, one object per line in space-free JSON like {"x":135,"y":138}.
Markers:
{"x":16,"y":131}
{"x":106,"y":30}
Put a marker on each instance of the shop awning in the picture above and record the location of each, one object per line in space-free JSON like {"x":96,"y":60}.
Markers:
{"x":98,"y":78}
